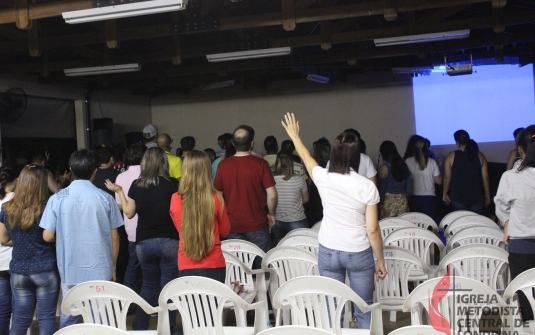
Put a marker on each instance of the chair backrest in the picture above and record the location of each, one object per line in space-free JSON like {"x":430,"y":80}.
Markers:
{"x":417,"y":240}
{"x":294,"y":330}
{"x":319,"y":301}
{"x":474,"y":221}
{"x":388,"y":225}
{"x":200,"y":302}
{"x":399,"y":262}
{"x":90,"y":329}
{"x":416,"y":330}
{"x":103,"y":302}
{"x":316,"y":226}
{"x":290,"y":262}
{"x":452,"y":216}
{"x":524,"y":282}
{"x":244,"y":250}
{"x":476,"y":235}
{"x":308,"y":243}
{"x":482,"y":262}
{"x":421,"y":220}
{"x":303,"y":231}
{"x":237,"y":271}
{"x":449,"y":306}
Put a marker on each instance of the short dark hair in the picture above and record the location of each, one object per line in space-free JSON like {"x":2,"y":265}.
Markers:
{"x":187,"y":143}
{"x":119,"y":151}
{"x":345,"y":154}
{"x":83,"y":163}
{"x":103,"y":154}
{"x":243,"y":143}
{"x":270,"y":144}
{"x":211,"y":154}
{"x":38,"y":159}
{"x":288,"y":145}
{"x":224,"y":137}
{"x":517,"y":132}
{"x":135,"y":153}
{"x":526,"y":140}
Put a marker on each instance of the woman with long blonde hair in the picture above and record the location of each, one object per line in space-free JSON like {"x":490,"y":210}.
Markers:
{"x":200,"y":218}
{"x":34,"y":272}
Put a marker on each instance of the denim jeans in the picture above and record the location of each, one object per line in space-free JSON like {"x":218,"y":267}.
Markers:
{"x":66,"y":320}
{"x":133,"y":270}
{"x":281,"y":228}
{"x":41,"y":288}
{"x":360,"y":268}
{"x":5,"y":302}
{"x":158,"y":258}
{"x":260,"y":237}
{"x":476,"y":208}
{"x":212,"y":273}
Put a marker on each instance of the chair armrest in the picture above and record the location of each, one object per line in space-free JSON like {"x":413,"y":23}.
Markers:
{"x":375,"y":306}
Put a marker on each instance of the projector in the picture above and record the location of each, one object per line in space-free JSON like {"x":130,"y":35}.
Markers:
{"x":457,"y":70}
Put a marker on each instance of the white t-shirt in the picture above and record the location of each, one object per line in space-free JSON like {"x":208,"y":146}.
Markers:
{"x":5,"y":252}
{"x":422,"y":181}
{"x":366,"y":167}
{"x":344,"y":199}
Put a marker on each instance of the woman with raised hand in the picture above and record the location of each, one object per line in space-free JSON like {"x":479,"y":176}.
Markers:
{"x":349,"y":235}
{"x":200,"y":217}
{"x":34,"y":272}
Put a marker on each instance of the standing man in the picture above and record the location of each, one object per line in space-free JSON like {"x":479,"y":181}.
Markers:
{"x":84,"y":221}
{"x":150,"y":134}
{"x":165,"y":142}
{"x":248,"y":186}
{"x":188,"y":144}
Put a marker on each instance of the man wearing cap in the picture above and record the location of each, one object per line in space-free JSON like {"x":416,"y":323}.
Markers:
{"x":165,"y":142}
{"x":150,"y":134}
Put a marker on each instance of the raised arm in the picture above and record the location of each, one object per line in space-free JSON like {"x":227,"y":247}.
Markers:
{"x":292,"y":128}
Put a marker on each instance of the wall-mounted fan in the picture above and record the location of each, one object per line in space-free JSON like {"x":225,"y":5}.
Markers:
{"x":13,"y":103}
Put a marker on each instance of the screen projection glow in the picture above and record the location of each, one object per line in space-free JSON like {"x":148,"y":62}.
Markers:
{"x":489,"y":104}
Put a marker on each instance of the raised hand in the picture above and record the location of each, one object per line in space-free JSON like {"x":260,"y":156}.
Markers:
{"x":112,"y":187}
{"x":291,"y":125}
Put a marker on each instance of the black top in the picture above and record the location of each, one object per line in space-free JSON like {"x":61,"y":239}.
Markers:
{"x":466,"y":186}
{"x":102,"y":175}
{"x":152,"y":208}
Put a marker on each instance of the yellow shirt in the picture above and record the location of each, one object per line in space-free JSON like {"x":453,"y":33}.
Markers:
{"x":175,"y":165}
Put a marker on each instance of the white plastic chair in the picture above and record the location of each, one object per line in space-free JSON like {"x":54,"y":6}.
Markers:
{"x":316,"y":226}
{"x":421,"y":220}
{"x":462,"y":223}
{"x":294,"y":330}
{"x":303,"y":231}
{"x":416,"y":330}
{"x":392,"y":291}
{"x":200,"y":302}
{"x":451,"y":217}
{"x":451,"y":306}
{"x":319,"y":302}
{"x":420,"y":242}
{"x":388,"y":225}
{"x":485,"y":263}
{"x":105,"y":303}
{"x":90,"y":329}
{"x":524,"y":282}
{"x":244,"y":250}
{"x":308,"y":243}
{"x":476,"y":235}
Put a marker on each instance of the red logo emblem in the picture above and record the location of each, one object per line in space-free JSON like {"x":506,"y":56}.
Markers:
{"x":437,"y":320}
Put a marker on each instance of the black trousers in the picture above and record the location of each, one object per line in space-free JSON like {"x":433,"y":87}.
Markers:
{"x":519,"y":263}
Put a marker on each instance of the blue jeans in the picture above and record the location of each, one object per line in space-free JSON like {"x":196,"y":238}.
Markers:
{"x":41,"y":288}
{"x":158,"y":258}
{"x":212,"y":273}
{"x":360,"y":268}
{"x":476,"y":208}
{"x":5,"y":302}
{"x":260,"y":237}
{"x":66,"y":320}
{"x":281,"y":228}
{"x":133,"y":270}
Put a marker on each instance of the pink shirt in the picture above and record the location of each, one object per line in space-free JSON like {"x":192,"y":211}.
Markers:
{"x":125,"y":179}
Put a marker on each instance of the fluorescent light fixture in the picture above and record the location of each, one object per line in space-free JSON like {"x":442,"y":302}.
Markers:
{"x":443,"y":36}
{"x":318,"y":79}
{"x":422,"y":69}
{"x":260,"y":53}
{"x":218,"y":84}
{"x":89,"y":71}
{"x":126,"y":10}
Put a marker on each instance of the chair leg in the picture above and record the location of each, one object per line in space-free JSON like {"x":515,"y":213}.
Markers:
{"x":392,"y":316}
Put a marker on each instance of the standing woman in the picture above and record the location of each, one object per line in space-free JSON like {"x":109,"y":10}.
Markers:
{"x":425,"y":174}
{"x":349,"y":235}
{"x":8,"y":181}
{"x":466,"y":176}
{"x":200,"y":217}
{"x":34,"y":271}
{"x":156,"y":237}
{"x":395,"y":182}
{"x":292,"y":193}
{"x":514,"y":206}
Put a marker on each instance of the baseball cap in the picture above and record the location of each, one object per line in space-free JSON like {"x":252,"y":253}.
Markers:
{"x":150,"y":131}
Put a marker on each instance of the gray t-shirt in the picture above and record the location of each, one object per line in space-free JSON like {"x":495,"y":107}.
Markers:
{"x":290,"y":201}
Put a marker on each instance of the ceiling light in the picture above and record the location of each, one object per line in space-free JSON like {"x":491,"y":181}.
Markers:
{"x":442,"y":36}
{"x":126,"y":10}
{"x":89,"y":71}
{"x":318,"y":79}
{"x":261,"y":53}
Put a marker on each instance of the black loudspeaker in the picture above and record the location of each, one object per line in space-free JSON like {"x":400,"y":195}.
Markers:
{"x":102,"y":132}
{"x":133,"y":137}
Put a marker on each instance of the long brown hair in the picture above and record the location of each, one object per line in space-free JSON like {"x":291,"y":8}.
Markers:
{"x":27,"y":204}
{"x":284,"y":165}
{"x":198,"y":205}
